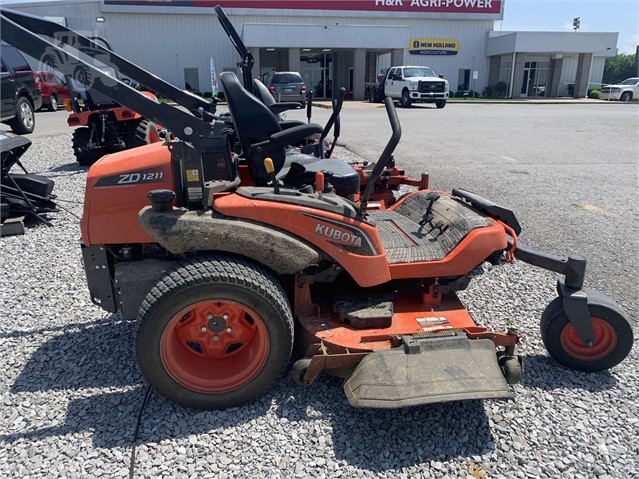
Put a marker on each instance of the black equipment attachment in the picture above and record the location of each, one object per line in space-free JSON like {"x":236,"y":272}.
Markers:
{"x":247,"y":60}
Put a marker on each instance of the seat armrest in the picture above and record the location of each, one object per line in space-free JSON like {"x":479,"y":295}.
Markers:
{"x":290,"y":136}
{"x":277,"y":108}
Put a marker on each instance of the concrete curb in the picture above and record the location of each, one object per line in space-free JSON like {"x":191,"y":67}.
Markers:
{"x":587,"y":101}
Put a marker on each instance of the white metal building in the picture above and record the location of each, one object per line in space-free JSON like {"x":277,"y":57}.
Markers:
{"x":345,"y":43}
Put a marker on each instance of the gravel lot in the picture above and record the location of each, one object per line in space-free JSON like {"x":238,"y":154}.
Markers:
{"x":71,"y":392}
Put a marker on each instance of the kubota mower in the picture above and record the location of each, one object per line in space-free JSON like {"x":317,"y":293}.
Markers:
{"x":233,"y":264}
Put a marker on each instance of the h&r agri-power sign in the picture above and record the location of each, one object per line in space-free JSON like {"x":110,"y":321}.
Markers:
{"x":416,"y":6}
{"x":433,"y":46}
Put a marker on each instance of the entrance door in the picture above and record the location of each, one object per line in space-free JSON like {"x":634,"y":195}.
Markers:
{"x":535,"y":77}
{"x":526,"y":83}
{"x":316,"y":70}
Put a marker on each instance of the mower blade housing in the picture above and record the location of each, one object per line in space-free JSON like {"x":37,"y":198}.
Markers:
{"x":428,"y":369}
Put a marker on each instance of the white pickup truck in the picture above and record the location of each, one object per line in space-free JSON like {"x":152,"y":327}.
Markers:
{"x":409,"y":84}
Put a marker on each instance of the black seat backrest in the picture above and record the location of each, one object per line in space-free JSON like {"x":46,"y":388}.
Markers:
{"x":253,"y":123}
{"x":262,"y":93}
{"x":96,"y":100}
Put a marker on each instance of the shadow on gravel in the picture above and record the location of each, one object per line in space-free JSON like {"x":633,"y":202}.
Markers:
{"x":545,"y":373}
{"x":70,"y":168}
{"x":85,"y":357}
{"x":385,"y":440}
{"x":84,"y":360}
{"x":97,"y":356}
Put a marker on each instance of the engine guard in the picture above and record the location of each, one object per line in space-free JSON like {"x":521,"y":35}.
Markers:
{"x":428,"y":369}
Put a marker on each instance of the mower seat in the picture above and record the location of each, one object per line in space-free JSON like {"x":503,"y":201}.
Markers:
{"x":261,"y":136}
{"x":262,"y":93}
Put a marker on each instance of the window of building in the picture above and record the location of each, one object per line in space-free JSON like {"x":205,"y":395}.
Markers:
{"x":463,"y":82}
{"x":191,"y":79}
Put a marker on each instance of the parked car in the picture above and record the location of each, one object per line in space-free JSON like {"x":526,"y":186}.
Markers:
{"x":624,"y":91}
{"x":288,"y":86}
{"x":20,"y":97}
{"x":53,"y":88}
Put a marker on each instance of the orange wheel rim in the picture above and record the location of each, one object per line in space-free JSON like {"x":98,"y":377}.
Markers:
{"x":153,"y":136}
{"x":214,"y":346}
{"x":605,"y":341}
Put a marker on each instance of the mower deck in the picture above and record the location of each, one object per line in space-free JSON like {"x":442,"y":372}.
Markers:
{"x":429,"y":368}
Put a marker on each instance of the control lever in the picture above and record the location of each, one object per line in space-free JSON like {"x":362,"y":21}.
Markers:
{"x":331,"y":120}
{"x":428,"y":215}
{"x":309,"y":104}
{"x":336,"y":132}
{"x":270,"y":169}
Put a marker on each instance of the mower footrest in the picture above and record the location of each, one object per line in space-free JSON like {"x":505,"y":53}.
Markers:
{"x":441,"y":369}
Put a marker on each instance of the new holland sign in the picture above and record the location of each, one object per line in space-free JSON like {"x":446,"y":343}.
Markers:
{"x":433,"y":46}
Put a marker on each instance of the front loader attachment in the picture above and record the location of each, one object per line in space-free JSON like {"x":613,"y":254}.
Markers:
{"x":429,"y":368}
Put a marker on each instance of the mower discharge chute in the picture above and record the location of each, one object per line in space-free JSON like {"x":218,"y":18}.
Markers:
{"x":235,"y":263}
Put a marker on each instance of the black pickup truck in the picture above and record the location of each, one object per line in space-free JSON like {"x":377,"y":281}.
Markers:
{"x":20,"y":97}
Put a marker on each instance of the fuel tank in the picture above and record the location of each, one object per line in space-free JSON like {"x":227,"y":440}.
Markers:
{"x":116,"y":190}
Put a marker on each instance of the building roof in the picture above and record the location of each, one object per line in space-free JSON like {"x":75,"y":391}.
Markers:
{"x":597,"y":43}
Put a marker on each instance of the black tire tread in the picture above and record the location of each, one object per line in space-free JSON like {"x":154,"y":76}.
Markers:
{"x":220,"y":269}
{"x":16,"y":123}
{"x":50,"y":107}
{"x":403,"y":104}
{"x":138,"y":133}
{"x":80,"y":141}
{"x":596,"y":301}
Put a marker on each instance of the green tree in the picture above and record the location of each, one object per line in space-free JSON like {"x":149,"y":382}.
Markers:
{"x":618,"y":68}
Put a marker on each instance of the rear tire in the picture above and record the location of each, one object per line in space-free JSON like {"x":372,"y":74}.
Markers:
{"x":24,"y":121}
{"x":613,"y":335}
{"x":405,"y":101}
{"x":626,"y":96}
{"x":215,"y":332}
{"x":140,"y":133}
{"x":53,"y":103}
{"x":83,"y":153}
{"x":440,"y":104}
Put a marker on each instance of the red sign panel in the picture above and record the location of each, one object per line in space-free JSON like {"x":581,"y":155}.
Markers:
{"x":416,"y":6}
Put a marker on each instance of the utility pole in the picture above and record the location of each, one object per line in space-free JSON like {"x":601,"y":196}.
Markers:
{"x":576,"y":23}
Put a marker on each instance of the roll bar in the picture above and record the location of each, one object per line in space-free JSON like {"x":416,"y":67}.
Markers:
{"x":384,"y":158}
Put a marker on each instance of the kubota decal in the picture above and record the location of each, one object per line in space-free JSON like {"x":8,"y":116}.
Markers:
{"x":343,"y":236}
{"x":339,"y":235}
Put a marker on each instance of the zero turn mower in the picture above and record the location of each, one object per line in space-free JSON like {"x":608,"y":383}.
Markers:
{"x":239,"y":258}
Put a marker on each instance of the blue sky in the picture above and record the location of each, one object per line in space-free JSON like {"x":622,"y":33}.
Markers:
{"x":556,"y":15}
{"x":596,"y":16}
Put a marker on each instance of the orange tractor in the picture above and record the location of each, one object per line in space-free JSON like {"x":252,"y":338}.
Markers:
{"x":102,"y":127}
{"x":230,"y":252}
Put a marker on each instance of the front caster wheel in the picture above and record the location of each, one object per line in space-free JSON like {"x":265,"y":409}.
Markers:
{"x":215,"y":332}
{"x":512,"y":368}
{"x":613,"y":335}
{"x":299,"y":370}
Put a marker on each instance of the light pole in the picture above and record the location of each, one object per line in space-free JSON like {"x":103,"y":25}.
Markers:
{"x":576,"y":23}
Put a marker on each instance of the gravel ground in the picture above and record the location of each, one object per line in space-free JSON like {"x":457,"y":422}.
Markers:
{"x":71,"y":392}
